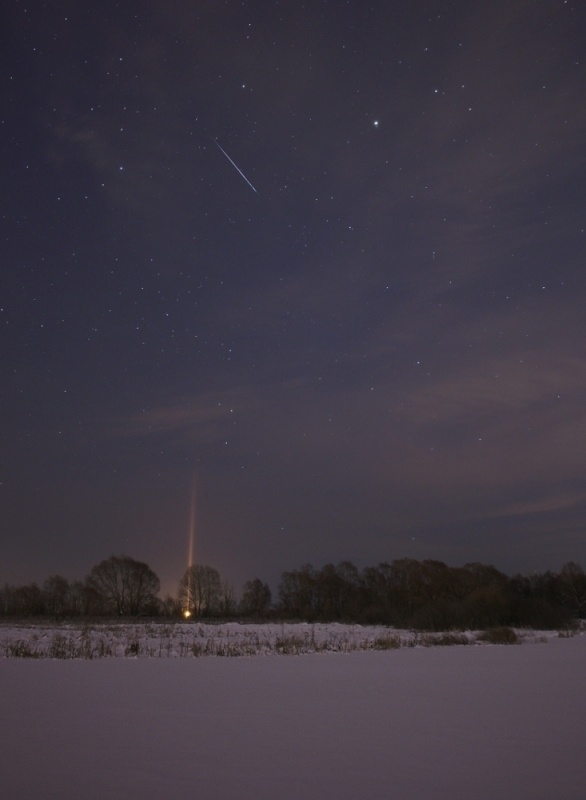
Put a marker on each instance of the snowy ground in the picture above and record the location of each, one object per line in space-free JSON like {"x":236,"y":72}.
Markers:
{"x":460,"y":723}
{"x":158,"y":640}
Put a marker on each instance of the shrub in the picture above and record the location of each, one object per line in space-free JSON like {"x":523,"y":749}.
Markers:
{"x":449,"y":639}
{"x":289,"y":645}
{"x":61,"y":647}
{"x":568,"y":632}
{"x":440,"y":639}
{"x":386,"y":643}
{"x":20,"y":649}
{"x":501,"y":635}
{"x":132,"y":648}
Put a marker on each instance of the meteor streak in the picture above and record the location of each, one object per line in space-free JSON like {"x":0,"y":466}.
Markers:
{"x":236,"y":167}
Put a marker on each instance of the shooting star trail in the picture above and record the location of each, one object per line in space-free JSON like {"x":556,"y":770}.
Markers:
{"x":236,"y":167}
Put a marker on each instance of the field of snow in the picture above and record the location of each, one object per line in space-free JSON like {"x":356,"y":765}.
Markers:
{"x":177,"y":640}
{"x":462,"y":722}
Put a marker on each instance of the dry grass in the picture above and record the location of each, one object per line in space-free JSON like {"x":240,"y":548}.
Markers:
{"x":501,"y":635}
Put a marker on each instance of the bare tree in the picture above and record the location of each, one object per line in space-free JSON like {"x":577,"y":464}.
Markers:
{"x":27,"y":601}
{"x":83,"y":600}
{"x":297,"y":592}
{"x":200,"y":590}
{"x":256,"y":598}
{"x":126,"y":586}
{"x":56,"y":595}
{"x":228,"y":602}
{"x":573,"y":585}
{"x":170,"y":606}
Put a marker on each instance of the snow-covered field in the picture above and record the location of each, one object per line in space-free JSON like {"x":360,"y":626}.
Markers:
{"x":474,"y":722}
{"x":176,"y":640}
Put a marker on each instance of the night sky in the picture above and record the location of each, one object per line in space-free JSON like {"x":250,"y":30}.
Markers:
{"x":324,"y":262}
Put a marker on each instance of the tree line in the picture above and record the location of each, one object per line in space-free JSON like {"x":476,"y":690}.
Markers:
{"x":429,"y":595}
{"x":121,"y":586}
{"x":426,"y":595}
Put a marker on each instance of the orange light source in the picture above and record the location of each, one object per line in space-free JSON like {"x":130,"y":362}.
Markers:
{"x":186,"y":613}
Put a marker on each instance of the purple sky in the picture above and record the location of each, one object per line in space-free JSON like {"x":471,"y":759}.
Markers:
{"x":378,"y":353}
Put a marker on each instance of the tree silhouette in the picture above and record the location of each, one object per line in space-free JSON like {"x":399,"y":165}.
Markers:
{"x":256,"y":598}
{"x":200,"y":590}
{"x":126,"y":587}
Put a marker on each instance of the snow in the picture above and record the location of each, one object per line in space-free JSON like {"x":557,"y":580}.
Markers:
{"x":479,"y":722}
{"x":173,"y":640}
{"x":156,"y":640}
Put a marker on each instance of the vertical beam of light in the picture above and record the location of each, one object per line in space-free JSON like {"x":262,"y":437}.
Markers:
{"x":191,"y":526}
{"x":188,"y":603}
